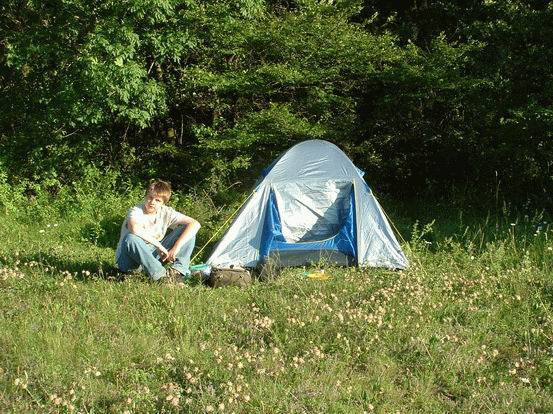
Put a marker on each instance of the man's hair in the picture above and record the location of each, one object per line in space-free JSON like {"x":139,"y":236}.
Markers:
{"x":161,"y":189}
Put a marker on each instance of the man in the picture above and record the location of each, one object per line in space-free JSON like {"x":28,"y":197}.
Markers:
{"x":143,"y":243}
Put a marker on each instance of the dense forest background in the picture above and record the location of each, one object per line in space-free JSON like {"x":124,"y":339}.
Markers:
{"x":428,"y":97}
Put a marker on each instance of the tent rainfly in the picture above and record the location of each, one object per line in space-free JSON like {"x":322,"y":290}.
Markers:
{"x":310,"y":205}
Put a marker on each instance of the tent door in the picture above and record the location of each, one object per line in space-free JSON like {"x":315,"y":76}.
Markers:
{"x":310,"y":222}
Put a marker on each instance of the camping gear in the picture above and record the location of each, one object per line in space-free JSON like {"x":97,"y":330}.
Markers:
{"x":317,"y":275}
{"x":232,"y":276}
{"x":311,"y":205}
{"x":202,"y":269}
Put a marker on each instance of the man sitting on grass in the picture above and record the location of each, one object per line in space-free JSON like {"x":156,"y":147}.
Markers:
{"x":143,"y":243}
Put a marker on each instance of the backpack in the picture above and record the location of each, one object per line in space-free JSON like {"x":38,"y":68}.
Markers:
{"x":230,"y":276}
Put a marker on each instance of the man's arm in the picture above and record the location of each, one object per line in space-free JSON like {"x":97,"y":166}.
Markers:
{"x":192,"y":227}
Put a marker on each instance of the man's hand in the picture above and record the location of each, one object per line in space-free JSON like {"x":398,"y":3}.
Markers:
{"x":171,"y":256}
{"x":163,"y":253}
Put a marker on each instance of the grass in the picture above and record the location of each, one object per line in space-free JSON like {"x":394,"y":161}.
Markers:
{"x":467,"y":328}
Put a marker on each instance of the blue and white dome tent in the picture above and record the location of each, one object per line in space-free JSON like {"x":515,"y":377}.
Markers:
{"x":310,"y":204}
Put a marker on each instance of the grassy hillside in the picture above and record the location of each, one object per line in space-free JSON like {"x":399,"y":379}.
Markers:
{"x":467,"y":328}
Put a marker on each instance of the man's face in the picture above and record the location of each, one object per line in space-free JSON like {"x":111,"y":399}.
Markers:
{"x":153,"y":203}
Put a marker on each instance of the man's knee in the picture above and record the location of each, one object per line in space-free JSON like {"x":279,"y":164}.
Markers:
{"x":133,"y":240}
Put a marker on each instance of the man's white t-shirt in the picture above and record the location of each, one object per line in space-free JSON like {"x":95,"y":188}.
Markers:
{"x":165,"y":218}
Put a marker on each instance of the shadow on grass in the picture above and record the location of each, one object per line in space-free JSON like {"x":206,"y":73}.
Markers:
{"x":81,"y":270}
{"x":89,"y":270}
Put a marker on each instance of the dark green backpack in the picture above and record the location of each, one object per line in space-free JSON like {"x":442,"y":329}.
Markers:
{"x":235,"y":276}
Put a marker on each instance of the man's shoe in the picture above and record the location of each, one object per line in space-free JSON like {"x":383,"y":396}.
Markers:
{"x":172,"y":277}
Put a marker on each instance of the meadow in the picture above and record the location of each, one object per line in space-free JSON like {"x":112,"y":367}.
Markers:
{"x":468,"y":327}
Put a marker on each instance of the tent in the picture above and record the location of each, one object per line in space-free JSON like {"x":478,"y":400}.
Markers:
{"x":310,"y":205}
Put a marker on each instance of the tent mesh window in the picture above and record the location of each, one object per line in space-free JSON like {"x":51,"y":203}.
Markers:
{"x":312,"y":212}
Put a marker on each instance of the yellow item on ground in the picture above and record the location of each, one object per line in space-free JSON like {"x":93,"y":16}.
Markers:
{"x":318,"y":275}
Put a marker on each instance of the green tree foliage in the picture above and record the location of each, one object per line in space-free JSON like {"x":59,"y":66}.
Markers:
{"x":474,"y":107}
{"x":269,"y":83}
{"x":426,"y":94}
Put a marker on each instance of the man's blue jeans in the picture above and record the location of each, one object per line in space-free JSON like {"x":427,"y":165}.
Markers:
{"x":137,"y":254}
